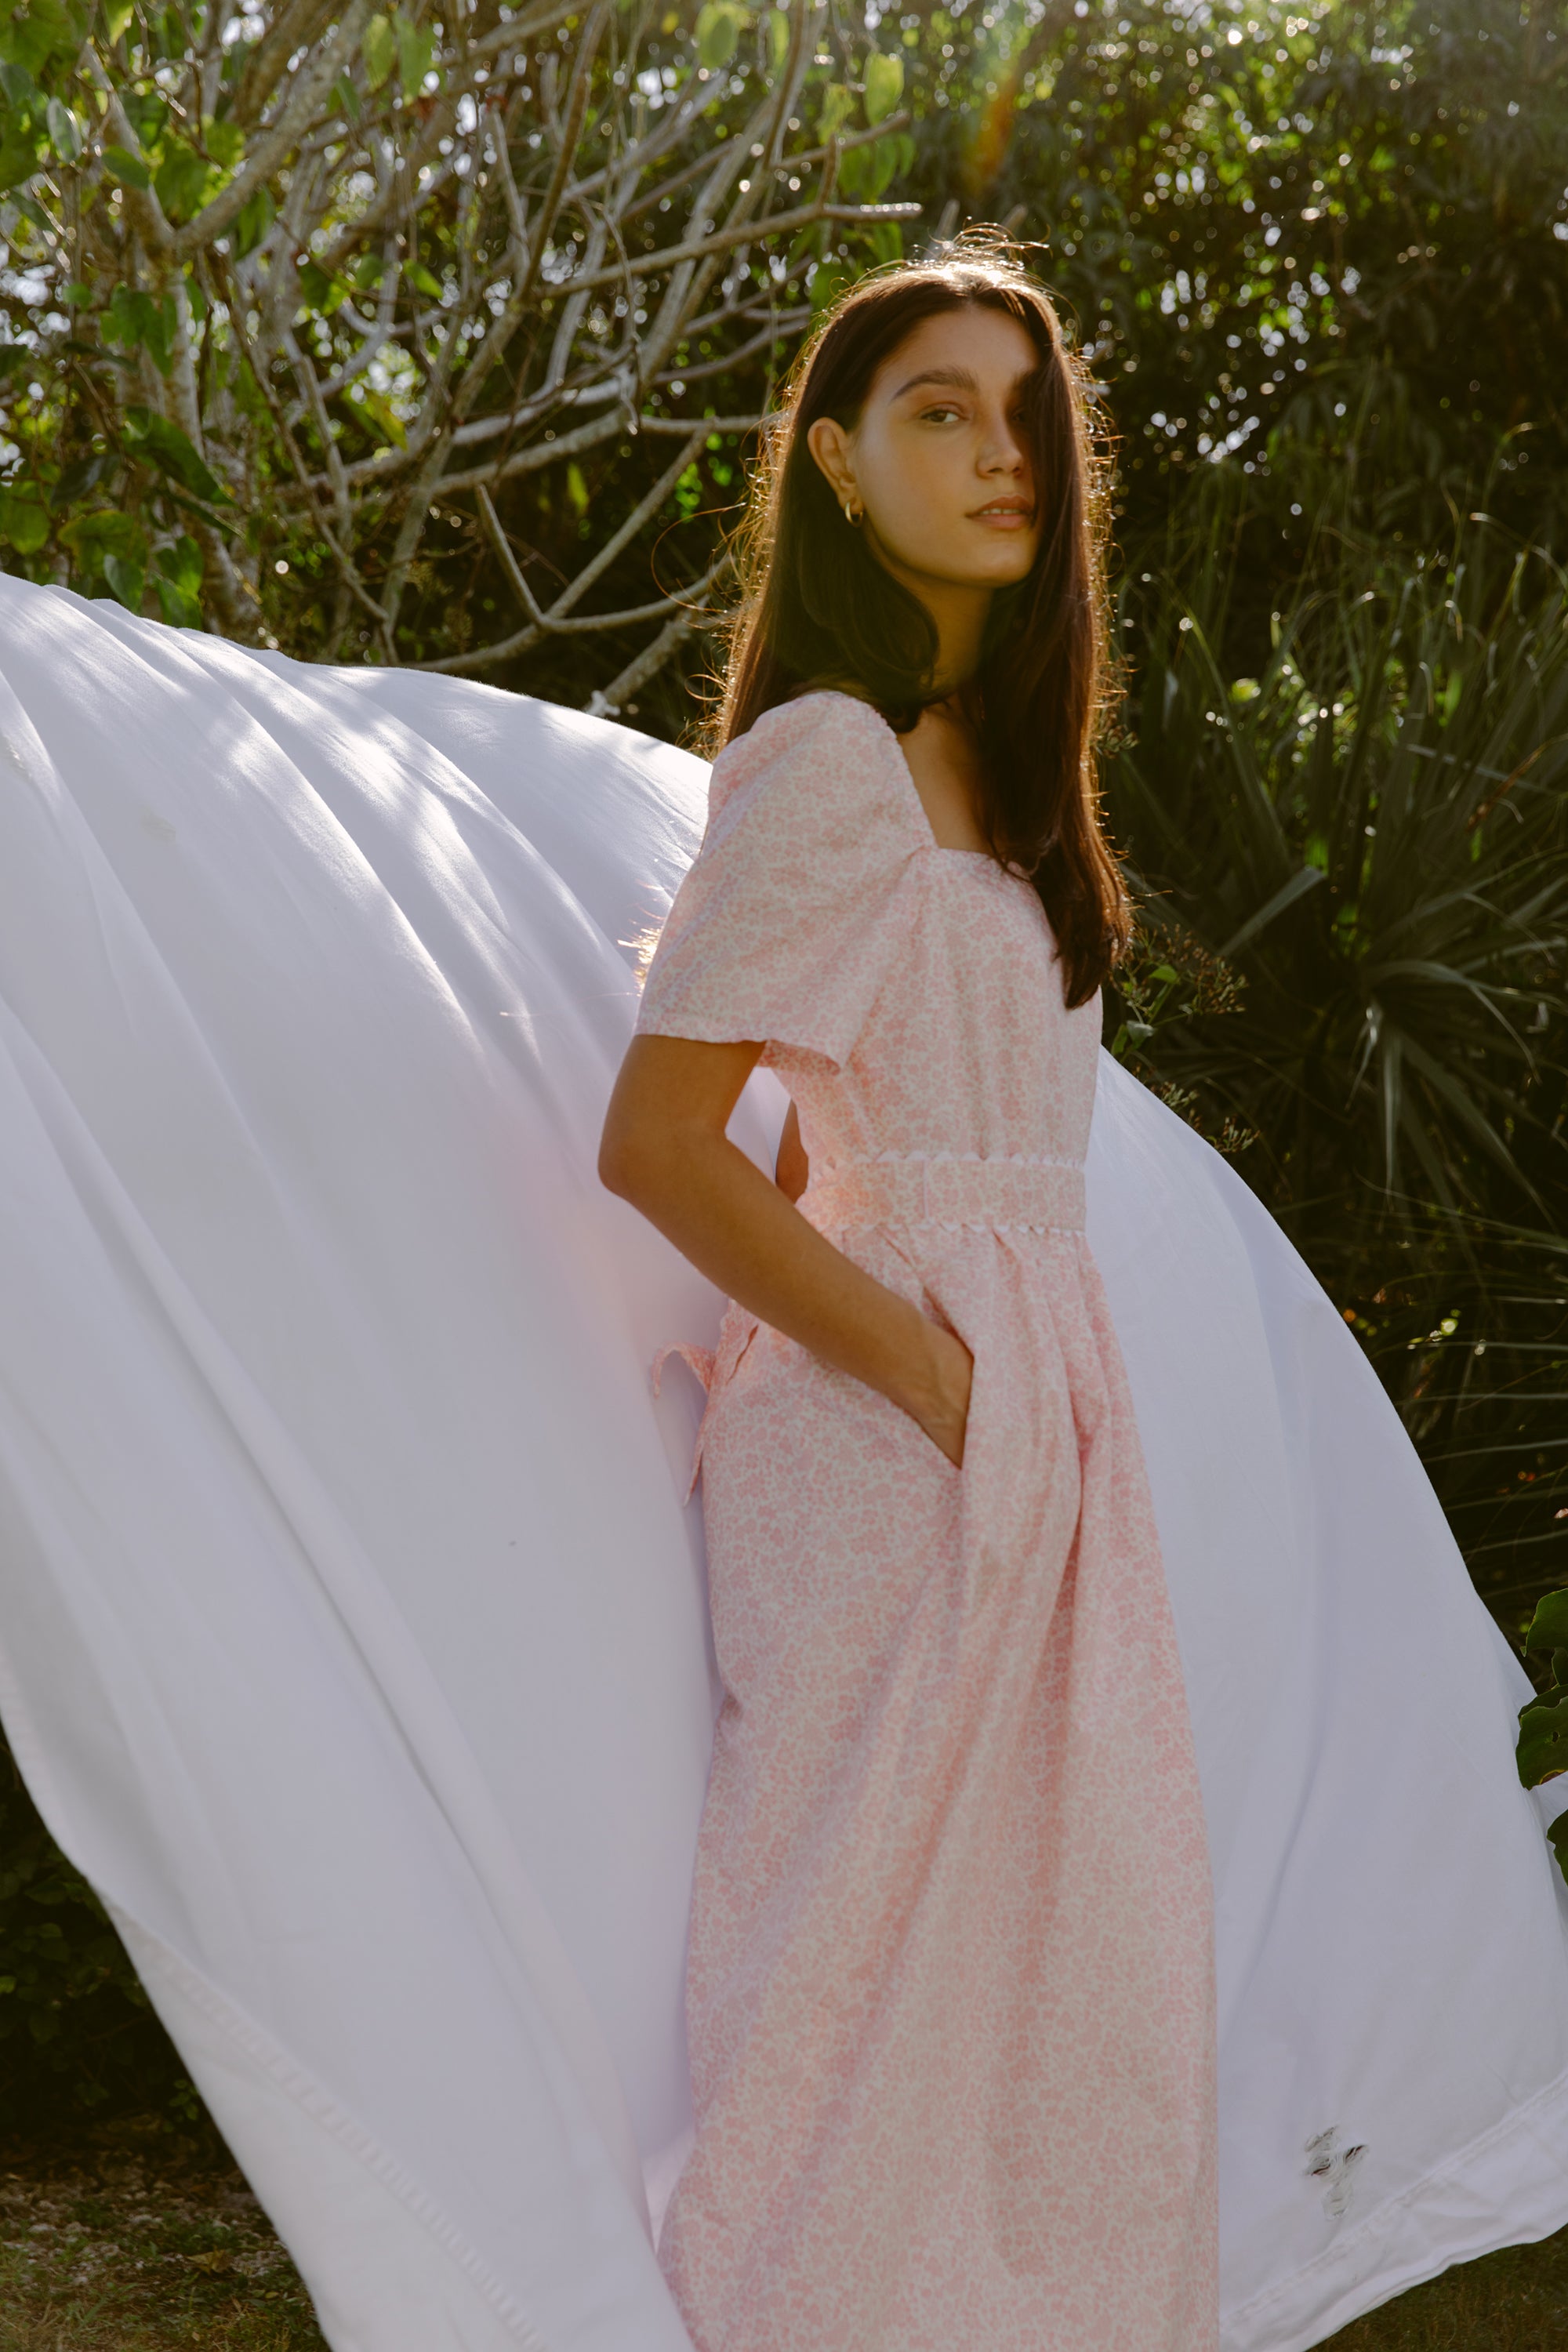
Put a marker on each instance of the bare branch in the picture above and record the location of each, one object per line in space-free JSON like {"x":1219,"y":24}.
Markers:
{"x":608,"y":701}
{"x":295,"y":27}
{"x":278,"y":140}
{"x":724,"y":240}
{"x":479,"y":283}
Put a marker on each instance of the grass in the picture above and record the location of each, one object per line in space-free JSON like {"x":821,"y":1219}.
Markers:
{"x":133,"y":2238}
{"x":1516,"y":2300}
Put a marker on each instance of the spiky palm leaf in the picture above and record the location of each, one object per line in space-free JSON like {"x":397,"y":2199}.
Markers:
{"x":1372,"y":834}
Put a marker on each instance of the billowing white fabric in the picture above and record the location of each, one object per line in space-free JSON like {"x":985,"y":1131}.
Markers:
{"x":352,"y":1636}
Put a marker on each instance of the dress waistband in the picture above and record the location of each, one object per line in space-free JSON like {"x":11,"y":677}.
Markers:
{"x":1040,"y":1196}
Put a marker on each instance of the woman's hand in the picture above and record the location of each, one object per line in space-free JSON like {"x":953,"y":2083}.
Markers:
{"x":938,"y":1395}
{"x":665,"y":1150}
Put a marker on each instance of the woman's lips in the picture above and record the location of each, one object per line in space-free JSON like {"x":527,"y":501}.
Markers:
{"x":1003,"y":518}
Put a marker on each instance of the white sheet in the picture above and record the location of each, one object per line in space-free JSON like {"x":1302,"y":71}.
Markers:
{"x":351,"y":1633}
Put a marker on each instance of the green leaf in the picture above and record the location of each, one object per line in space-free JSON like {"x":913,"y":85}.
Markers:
{"x":182,"y":180}
{"x":837,"y":103}
{"x":24,"y":522}
{"x":378,"y":46}
{"x":1542,"y":1740}
{"x":181,"y":565}
{"x":778,"y":39}
{"x":884,"y":85}
{"x":128,"y":169}
{"x":14,"y":357}
{"x":418,"y":276}
{"x":180,"y":610}
{"x":718,"y":32}
{"x":1305,"y":878}
{"x":1548,"y":1629}
{"x":16,"y":82}
{"x":322,"y":291}
{"x":21,"y":151}
{"x":126,"y":579}
{"x":576,"y":488}
{"x":117,"y":15}
{"x":78,"y":294}
{"x":149,"y":111}
{"x":92,"y":537}
{"x":78,"y":478}
{"x":415,"y":48}
{"x":252,"y":223}
{"x":379,"y":410}
{"x":1558,"y":1834}
{"x":63,"y":129}
{"x":864,"y":172}
{"x":160,"y":439}
{"x":224,"y":141}
{"x":132,"y":320}
{"x":44,"y":30}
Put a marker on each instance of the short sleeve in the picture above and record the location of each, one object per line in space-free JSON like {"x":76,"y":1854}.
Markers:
{"x":788,"y":922}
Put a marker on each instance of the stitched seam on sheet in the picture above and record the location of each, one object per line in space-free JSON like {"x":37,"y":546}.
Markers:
{"x":1376,"y":2222}
{"x":324,"y":2110}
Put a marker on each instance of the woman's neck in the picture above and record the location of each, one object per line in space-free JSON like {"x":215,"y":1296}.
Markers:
{"x":959,"y":613}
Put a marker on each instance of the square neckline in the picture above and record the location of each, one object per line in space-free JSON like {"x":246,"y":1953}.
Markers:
{"x":889,"y":734}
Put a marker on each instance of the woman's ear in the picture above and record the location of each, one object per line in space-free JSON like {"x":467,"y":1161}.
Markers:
{"x":829,"y":445}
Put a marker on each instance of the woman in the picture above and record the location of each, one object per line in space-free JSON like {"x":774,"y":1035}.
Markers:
{"x":353,"y":1639}
{"x":949,"y":1984}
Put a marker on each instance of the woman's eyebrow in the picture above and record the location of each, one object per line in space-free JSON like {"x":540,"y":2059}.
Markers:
{"x":958,"y":379}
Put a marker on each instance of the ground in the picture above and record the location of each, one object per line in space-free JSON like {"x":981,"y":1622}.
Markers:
{"x":134,"y":2237}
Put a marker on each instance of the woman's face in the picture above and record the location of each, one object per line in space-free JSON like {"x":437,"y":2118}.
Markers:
{"x":940,"y":459}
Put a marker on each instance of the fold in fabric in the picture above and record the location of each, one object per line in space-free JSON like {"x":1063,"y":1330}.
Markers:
{"x":354,"y":1636}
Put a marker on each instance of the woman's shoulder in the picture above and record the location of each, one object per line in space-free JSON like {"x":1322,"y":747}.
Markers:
{"x":816,"y":714}
{"x":823,"y":752}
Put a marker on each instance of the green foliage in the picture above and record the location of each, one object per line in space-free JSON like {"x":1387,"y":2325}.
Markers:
{"x":1543,"y":1753}
{"x":1369,"y":836}
{"x":1325,"y":247}
{"x":77,"y":2034}
{"x":719,"y":29}
{"x":1373,"y":830}
{"x":884,"y":84}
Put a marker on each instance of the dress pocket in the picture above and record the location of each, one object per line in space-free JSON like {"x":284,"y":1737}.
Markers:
{"x":715,"y":1367}
{"x":971,"y":1418}
{"x":923,"y":1436}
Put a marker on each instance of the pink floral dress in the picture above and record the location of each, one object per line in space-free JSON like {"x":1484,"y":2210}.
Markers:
{"x":949,"y":1990}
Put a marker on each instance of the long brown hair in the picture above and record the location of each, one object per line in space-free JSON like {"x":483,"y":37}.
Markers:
{"x":819,"y":607}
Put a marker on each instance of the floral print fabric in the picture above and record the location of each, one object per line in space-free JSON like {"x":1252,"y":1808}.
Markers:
{"x":950,"y":1987}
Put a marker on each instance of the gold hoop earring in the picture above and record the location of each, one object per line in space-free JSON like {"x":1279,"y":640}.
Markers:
{"x":853,"y":513}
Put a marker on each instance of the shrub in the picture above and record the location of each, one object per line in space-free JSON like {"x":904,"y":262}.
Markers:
{"x":78,"y":2034}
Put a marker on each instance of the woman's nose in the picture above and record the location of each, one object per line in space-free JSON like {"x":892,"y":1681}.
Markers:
{"x":1002,"y":449}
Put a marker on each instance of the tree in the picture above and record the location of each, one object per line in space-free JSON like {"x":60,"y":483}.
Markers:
{"x":314,"y":295}
{"x":1321,"y":248}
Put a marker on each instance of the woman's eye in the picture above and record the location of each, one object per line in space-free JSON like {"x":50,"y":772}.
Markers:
{"x":937,"y":416}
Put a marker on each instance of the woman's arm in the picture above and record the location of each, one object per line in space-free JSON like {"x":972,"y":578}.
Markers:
{"x":666,"y":1151}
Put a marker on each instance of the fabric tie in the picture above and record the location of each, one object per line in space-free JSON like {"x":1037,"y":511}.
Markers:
{"x":1040,"y":1196}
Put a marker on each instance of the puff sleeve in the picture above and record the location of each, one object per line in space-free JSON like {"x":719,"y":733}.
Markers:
{"x":789,"y":920}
